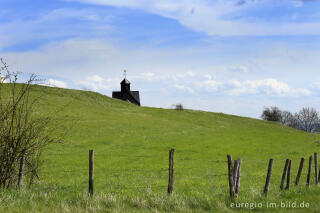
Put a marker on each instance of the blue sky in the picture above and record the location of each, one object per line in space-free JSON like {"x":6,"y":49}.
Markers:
{"x":234,"y":56}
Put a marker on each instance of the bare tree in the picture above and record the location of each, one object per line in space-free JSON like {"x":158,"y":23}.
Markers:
{"x":308,"y":119}
{"x":24,"y":132}
{"x":288,"y":119}
{"x":271,"y":114}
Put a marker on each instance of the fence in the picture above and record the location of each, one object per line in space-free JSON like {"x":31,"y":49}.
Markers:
{"x":233,"y":173}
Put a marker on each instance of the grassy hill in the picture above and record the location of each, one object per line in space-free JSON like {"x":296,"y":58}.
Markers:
{"x":131,"y":146}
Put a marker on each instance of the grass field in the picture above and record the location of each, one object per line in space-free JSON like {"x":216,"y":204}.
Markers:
{"x":131,"y":147}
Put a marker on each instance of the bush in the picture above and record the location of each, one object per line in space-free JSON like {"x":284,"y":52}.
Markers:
{"x":178,"y":107}
{"x":271,"y":114}
{"x":24,"y":132}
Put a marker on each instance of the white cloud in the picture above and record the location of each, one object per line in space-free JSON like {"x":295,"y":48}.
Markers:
{"x":179,"y":75}
{"x":240,"y":68}
{"x":212,"y":85}
{"x":184,"y":88}
{"x":95,"y":83}
{"x":268,"y":86}
{"x":234,"y":83}
{"x":184,"y":75}
{"x":148,"y":74}
{"x":210,"y":16}
{"x":208,"y":76}
{"x":73,"y":59}
{"x":56,"y":83}
{"x":191,"y":74}
{"x":316,"y":85}
{"x":259,"y":87}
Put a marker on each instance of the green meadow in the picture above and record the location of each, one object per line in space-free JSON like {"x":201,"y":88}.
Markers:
{"x":131,"y":146}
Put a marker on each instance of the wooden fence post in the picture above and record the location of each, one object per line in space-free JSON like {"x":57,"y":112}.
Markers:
{"x":91,"y":171}
{"x":266,"y":187}
{"x":288,"y":176}
{"x":232,"y":166}
{"x":170,"y":185}
{"x":309,"y":171}
{"x":284,"y":174}
{"x":238,"y":176}
{"x":21,"y":168}
{"x":319,"y":175}
{"x":316,"y":167}
{"x":230,"y":174}
{"x":235,"y":171}
{"x":299,"y":171}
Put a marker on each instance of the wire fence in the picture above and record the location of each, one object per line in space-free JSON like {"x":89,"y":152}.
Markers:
{"x":224,"y":170}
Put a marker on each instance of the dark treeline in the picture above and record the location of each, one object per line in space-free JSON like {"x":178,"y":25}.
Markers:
{"x":307,"y":119}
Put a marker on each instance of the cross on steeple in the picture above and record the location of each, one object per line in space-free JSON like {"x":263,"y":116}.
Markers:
{"x":125,"y":73}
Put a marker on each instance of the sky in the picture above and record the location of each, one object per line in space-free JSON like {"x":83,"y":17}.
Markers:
{"x":230,"y":56}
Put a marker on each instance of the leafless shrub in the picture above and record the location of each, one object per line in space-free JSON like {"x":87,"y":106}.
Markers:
{"x":24,"y":132}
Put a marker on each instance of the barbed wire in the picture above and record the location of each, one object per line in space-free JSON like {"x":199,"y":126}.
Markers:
{"x":186,"y":177}
{"x":178,"y":171}
{"x":220,"y":161}
{"x":136,"y":187}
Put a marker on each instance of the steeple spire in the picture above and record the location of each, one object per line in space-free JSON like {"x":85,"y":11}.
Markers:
{"x":125,"y":74}
{"x":125,"y":84}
